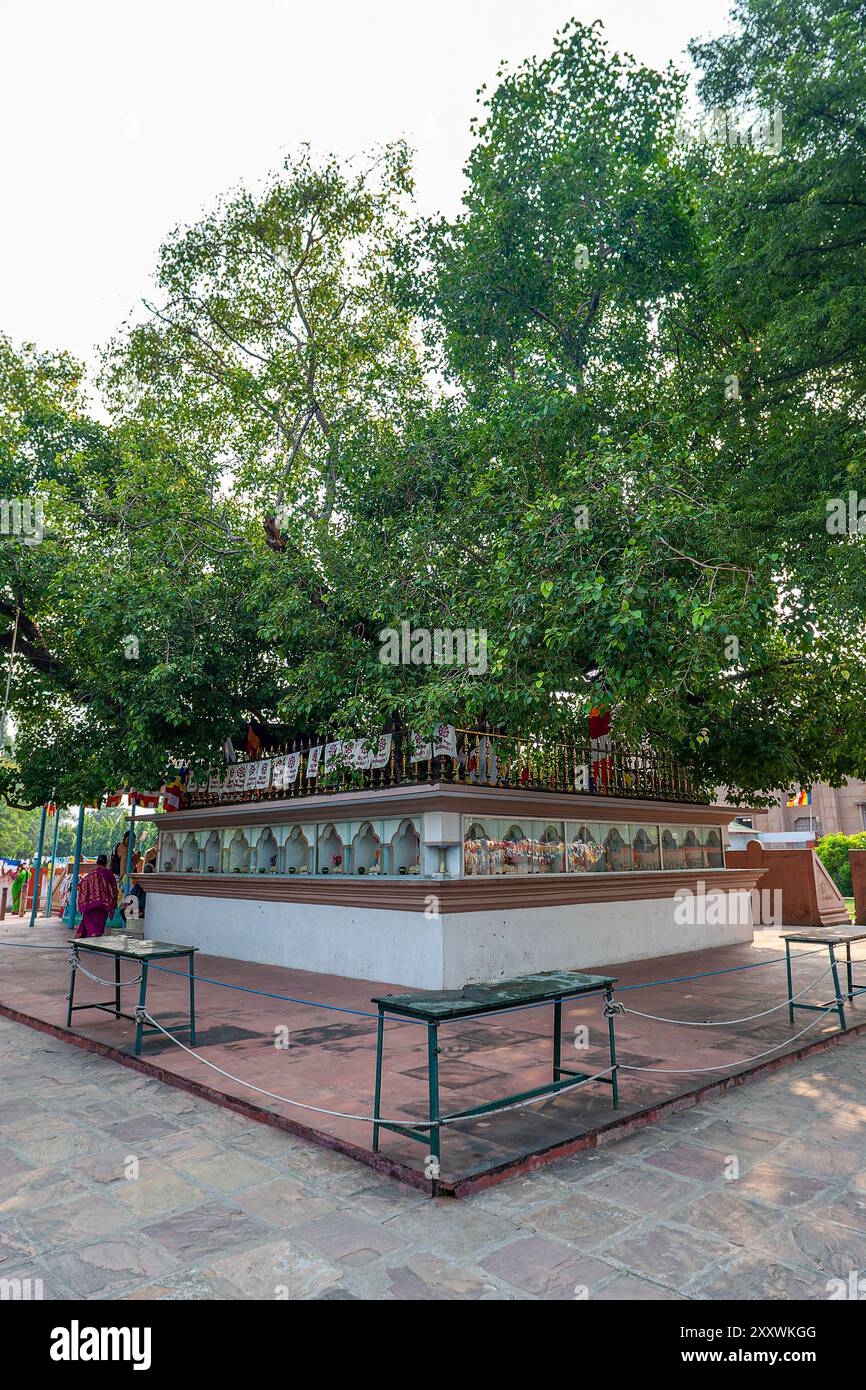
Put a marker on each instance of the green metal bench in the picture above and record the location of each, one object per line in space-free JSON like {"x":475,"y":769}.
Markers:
{"x":131,"y":948}
{"x":433,"y":1008}
{"x":831,"y":939}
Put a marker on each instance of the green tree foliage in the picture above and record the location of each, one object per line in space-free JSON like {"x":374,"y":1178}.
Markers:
{"x":599,"y":415}
{"x":832,"y":850}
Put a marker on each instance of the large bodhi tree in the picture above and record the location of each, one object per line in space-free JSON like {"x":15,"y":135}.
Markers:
{"x":600,"y":415}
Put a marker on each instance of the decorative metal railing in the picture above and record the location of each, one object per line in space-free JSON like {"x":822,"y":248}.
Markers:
{"x":485,"y":758}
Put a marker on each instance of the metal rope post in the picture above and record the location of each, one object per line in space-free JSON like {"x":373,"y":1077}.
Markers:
{"x":38,"y":867}
{"x":129,"y":849}
{"x":76,"y":865}
{"x":53,"y":862}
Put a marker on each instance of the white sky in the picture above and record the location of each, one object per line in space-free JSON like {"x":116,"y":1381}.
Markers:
{"x":121,"y":118}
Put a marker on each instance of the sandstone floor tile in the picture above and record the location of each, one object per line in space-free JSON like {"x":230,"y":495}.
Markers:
{"x":451,"y":1228}
{"x":668,"y":1255}
{"x":820,"y":1245}
{"x":730,"y":1214}
{"x":822,"y":1157}
{"x":229,"y":1172}
{"x":16,"y":1245}
{"x":277,"y":1270}
{"x":642,"y":1189}
{"x":546,"y":1269}
{"x":206,"y":1232}
{"x":848,"y":1209}
{"x":427,"y":1278}
{"x":284,"y":1203}
{"x":91,"y":1218}
{"x":781,"y":1188}
{"x":581,"y":1219}
{"x":38,"y":1187}
{"x":689,"y":1161}
{"x":155,"y":1191}
{"x":345,"y":1239}
{"x":754,"y":1278}
{"x":104,"y":1267}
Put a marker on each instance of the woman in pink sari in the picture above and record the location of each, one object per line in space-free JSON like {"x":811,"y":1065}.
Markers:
{"x":97,"y":897}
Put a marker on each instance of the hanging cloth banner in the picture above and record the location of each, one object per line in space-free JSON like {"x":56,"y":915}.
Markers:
{"x":235,"y":777}
{"x":261,"y":774}
{"x":314,"y":757}
{"x":285,"y":769}
{"x":148,"y":799}
{"x":215,"y":783}
{"x":419,"y":749}
{"x":362,"y":755}
{"x":114,"y":799}
{"x":444,"y":741}
{"x":383,"y":751}
{"x":332,"y":756}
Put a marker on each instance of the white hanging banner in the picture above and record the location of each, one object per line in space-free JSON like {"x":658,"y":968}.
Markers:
{"x":419,"y":748}
{"x":262,"y":774}
{"x":444,"y":741}
{"x":314,"y":757}
{"x":332,"y":755}
{"x":249,"y":776}
{"x":235,"y":777}
{"x":362,"y":754}
{"x":293,"y":764}
{"x":383,"y":751}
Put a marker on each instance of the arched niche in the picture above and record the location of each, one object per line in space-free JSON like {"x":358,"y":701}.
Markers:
{"x":617,"y":850}
{"x":168,"y":854}
{"x":479,"y":841}
{"x":645,"y":847}
{"x":713,"y":848}
{"x":586,"y":850}
{"x":694,"y":850}
{"x":296,"y":852}
{"x":189,"y":853}
{"x":267,"y":852}
{"x":366,"y":851}
{"x":213,"y":852}
{"x":332,"y":851}
{"x":673,"y":850}
{"x":516,"y":850}
{"x":238,"y":854}
{"x":550,"y":856}
{"x":406,"y":849}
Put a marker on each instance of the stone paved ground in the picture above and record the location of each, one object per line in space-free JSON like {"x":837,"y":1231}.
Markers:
{"x":224,"y":1208}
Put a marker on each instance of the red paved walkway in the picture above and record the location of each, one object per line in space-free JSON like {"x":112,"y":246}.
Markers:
{"x":330,"y":1058}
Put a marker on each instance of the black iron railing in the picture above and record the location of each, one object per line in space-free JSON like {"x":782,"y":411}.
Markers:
{"x":485,"y":758}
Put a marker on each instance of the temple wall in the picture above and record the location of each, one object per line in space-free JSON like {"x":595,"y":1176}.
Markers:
{"x":405,"y":947}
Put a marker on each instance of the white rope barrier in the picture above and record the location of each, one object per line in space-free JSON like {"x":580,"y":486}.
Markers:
{"x":742,"y":1062}
{"x":725,"y":1022}
{"x":75,"y":964}
{"x":365,"y":1119}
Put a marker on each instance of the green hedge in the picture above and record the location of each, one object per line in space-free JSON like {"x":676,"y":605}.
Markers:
{"x":832,"y":850}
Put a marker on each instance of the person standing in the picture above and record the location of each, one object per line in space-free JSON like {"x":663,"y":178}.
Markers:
{"x":18,"y":883}
{"x":97,"y":897}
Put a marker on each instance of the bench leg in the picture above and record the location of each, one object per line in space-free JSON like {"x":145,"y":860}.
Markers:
{"x":433,"y":1087}
{"x":377,"y":1092}
{"x":117,"y":986}
{"x":790,"y":983}
{"x":612,"y":1044}
{"x":72,"y":973}
{"x":840,"y":1004}
{"x":142,"y":1004}
{"x":191,"y":1000}
{"x":848,"y":964}
{"x":557,"y":1038}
